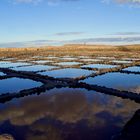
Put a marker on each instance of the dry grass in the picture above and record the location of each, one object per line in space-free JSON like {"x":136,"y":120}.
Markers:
{"x":88,"y":50}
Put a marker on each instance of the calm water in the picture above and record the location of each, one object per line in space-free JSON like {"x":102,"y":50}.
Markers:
{"x":67,"y":73}
{"x":8,"y":59}
{"x":133,"y":69}
{"x":99,"y":66}
{"x":105,"y":57}
{"x":122,"y":61}
{"x":121,"y":81}
{"x":2,"y":74}
{"x":66,"y":114}
{"x":68,"y":58}
{"x":42,"y":61}
{"x":4,"y":64}
{"x":94,"y":60}
{"x":16,"y":84}
{"x":130,"y":59}
{"x":34,"y":68}
{"x":68,"y":63}
{"x":52,"y":57}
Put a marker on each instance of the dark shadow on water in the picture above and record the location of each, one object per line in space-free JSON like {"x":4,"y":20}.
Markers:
{"x":131,"y":130}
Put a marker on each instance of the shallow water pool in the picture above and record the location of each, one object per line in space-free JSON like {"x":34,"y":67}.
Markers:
{"x":68,"y":63}
{"x":122,"y":61}
{"x":16,"y":84}
{"x":2,"y":74}
{"x":116,"y":80}
{"x":34,"y":68}
{"x":42,"y":61}
{"x":99,"y":66}
{"x":133,"y":69}
{"x":4,"y":64}
{"x":67,"y":73}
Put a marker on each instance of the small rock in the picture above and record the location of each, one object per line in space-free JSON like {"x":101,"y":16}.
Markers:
{"x":6,"y":137}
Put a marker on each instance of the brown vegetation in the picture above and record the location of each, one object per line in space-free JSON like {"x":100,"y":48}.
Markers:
{"x":90,"y":50}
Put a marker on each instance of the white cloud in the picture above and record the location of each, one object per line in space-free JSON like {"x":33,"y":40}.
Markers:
{"x":122,"y":1}
{"x":69,"y":33}
{"x":52,"y":2}
{"x":128,"y":1}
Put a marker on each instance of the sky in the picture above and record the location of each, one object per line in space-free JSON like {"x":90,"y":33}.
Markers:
{"x":30,"y":20}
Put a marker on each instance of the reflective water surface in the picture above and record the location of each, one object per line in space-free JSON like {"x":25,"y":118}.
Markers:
{"x":68,"y":63}
{"x":94,"y":60}
{"x":122,"y":61}
{"x":121,"y":81}
{"x":7,"y":64}
{"x":42,"y":61}
{"x":106,"y":57}
{"x":34,"y":68}
{"x":68,"y":58}
{"x":66,"y":114}
{"x":99,"y":66}
{"x":133,"y":69}
{"x":67,"y":73}
{"x":2,"y":74}
{"x":16,"y":84}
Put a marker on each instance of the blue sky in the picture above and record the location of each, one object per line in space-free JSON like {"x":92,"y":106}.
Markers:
{"x":27,"y":20}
